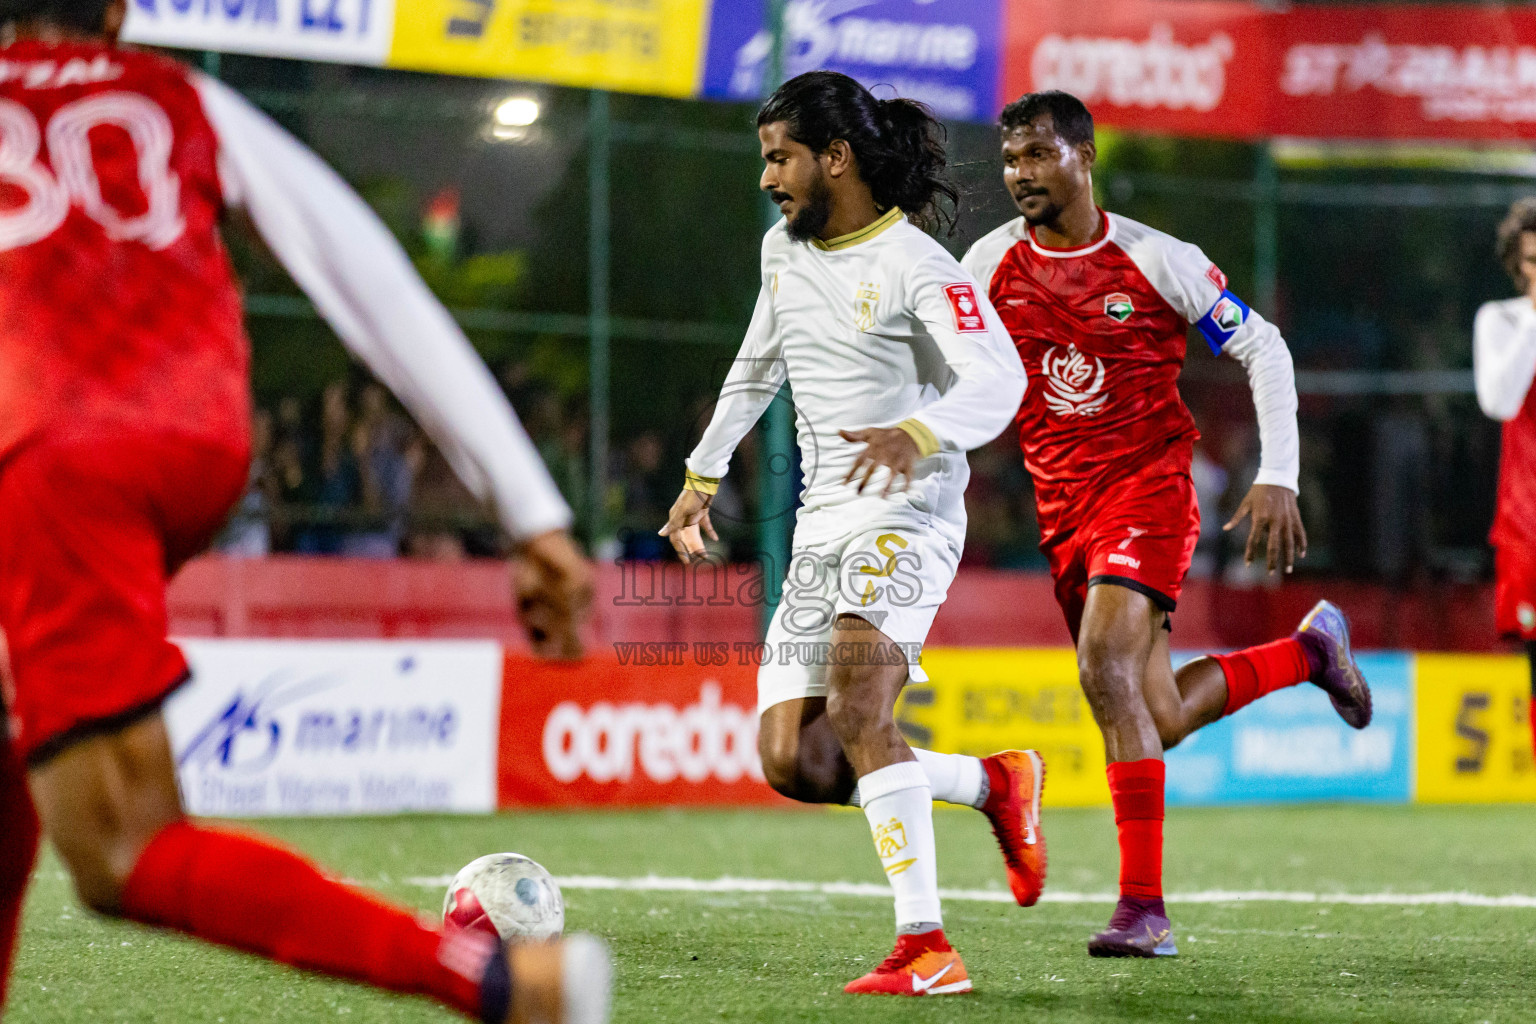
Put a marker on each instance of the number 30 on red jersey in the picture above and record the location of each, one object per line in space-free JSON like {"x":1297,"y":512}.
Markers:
{"x":73,"y":181}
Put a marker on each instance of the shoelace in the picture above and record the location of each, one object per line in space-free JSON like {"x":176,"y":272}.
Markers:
{"x":1126,"y":913}
{"x":905,"y":952}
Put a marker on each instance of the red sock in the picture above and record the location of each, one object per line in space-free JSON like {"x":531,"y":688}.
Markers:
{"x":18,"y":849}
{"x":1136,"y":787}
{"x":246,"y":893}
{"x":1264,"y":669}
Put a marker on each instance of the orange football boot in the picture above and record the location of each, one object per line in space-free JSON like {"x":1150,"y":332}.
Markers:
{"x":921,"y":965}
{"x":1017,"y":778}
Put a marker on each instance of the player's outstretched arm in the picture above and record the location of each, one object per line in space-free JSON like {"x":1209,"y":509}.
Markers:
{"x":754,"y":380}
{"x":361,"y":281}
{"x":1504,"y":356}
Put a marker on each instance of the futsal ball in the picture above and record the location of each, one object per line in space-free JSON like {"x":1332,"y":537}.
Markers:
{"x":505,"y":894}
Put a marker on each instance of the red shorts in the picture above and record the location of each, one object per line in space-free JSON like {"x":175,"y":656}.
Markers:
{"x":94,"y":524}
{"x":1514,"y":592}
{"x":1141,"y":534}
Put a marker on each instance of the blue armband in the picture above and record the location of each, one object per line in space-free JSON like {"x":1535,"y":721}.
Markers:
{"x":1223,"y":320}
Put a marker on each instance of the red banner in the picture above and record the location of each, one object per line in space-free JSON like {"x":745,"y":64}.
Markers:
{"x":669,"y":726}
{"x":1205,"y":67}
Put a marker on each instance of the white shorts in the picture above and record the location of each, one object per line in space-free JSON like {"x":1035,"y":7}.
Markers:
{"x":895,"y":577}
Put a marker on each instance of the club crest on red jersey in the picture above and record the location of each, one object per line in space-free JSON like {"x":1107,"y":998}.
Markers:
{"x":1076,"y":382}
{"x":967,"y":311}
{"x":1117,"y":306}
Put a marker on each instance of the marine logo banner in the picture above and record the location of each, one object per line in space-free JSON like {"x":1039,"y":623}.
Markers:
{"x":943,"y":53}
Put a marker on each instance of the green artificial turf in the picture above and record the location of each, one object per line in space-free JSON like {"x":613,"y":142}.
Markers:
{"x":696,"y":957}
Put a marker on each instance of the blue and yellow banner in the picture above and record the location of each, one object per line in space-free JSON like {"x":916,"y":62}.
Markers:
{"x":1447,"y":729}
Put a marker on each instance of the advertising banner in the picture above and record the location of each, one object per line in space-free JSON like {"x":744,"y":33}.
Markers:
{"x":284,"y":727}
{"x":982,"y":700}
{"x":1400,"y":71}
{"x":347,"y":31}
{"x":1288,"y":747}
{"x":1292,"y":747}
{"x":1195,"y":67}
{"x":942,"y":52}
{"x":671,"y":724}
{"x":649,"y":46}
{"x":1205,"y":67}
{"x":1474,"y":729}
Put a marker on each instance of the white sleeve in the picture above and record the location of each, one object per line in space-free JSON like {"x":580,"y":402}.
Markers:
{"x":1504,"y":356}
{"x":361,"y":281}
{"x":755,"y":378}
{"x":977,"y":348}
{"x":1197,"y":290}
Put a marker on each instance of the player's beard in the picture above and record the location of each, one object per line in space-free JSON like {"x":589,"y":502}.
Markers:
{"x":814,"y":214}
{"x":1047,"y":214}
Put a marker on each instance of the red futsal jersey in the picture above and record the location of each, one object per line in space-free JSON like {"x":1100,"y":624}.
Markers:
{"x":117,"y":302}
{"x":1101,"y":330}
{"x":1504,"y":362}
{"x":124,"y":417}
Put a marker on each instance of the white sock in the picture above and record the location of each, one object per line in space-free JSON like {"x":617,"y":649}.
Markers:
{"x":899,"y":805}
{"x":953,"y":778}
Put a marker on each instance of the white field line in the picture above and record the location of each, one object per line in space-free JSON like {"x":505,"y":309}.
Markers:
{"x":655,"y":883}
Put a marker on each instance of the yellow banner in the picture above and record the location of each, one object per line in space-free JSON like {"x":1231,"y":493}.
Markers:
{"x":985,"y":700}
{"x":1474,"y":729}
{"x":651,"y":46}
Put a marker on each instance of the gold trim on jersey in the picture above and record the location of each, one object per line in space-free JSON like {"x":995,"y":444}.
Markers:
{"x":864,"y":234}
{"x":925,"y":439}
{"x":703,"y":484}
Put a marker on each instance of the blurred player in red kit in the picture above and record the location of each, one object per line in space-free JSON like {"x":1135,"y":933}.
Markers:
{"x":1099,"y":307}
{"x":124,"y":441}
{"x":1504,"y":362}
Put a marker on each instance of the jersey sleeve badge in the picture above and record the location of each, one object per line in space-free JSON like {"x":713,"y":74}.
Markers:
{"x":1216,"y":277}
{"x":967,"y":311}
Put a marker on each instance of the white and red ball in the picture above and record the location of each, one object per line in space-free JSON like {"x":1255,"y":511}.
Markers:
{"x":505,"y":894}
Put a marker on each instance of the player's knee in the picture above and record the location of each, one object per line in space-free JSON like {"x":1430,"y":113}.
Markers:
{"x":854,"y":719}
{"x":781,"y":762}
{"x":1109,"y":678}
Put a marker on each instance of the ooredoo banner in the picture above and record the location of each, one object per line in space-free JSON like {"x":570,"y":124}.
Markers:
{"x":666,"y":726}
{"x":285,"y":727}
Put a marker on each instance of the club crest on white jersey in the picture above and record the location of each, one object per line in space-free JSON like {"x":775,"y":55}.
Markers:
{"x":1075,"y":382}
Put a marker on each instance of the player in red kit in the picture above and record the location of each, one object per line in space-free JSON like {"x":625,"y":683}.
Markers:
{"x":1099,"y":307}
{"x":124,"y":443}
{"x":1504,"y":362}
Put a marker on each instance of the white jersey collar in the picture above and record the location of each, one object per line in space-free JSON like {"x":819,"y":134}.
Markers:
{"x":1078,"y":250}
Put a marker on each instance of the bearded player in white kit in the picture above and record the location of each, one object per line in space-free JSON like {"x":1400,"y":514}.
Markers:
{"x":898,"y":365}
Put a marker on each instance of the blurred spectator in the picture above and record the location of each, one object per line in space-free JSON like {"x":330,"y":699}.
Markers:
{"x":646,"y":498}
{"x":249,"y":533}
{"x":388,"y":456}
{"x":332,"y":484}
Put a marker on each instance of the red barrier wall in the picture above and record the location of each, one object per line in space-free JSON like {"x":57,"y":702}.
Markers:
{"x":340,"y":598}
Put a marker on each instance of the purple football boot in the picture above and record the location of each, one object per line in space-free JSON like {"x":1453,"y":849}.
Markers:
{"x":1138,"y":928}
{"x":1325,"y":635}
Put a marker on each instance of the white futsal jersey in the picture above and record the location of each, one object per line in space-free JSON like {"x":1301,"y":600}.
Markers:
{"x":879,"y":328}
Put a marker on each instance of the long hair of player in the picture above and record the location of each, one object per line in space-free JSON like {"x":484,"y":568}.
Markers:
{"x":899,"y":143}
